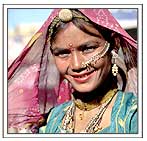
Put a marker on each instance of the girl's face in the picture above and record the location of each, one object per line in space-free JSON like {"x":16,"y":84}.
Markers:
{"x":71,"y":47}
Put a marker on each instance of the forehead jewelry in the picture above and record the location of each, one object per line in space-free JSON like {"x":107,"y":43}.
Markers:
{"x":96,"y":57}
{"x":65,"y":15}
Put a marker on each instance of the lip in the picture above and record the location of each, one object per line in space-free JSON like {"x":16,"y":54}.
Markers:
{"x":82,"y":78}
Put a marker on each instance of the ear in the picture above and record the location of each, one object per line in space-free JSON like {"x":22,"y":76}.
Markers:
{"x":116,"y":41}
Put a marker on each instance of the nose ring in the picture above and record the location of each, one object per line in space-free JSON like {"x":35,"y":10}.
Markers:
{"x":96,"y":57}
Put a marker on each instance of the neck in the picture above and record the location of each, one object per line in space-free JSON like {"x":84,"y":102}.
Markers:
{"x":98,"y":93}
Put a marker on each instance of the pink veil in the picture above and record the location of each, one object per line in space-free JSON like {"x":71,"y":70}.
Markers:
{"x":34,"y":83}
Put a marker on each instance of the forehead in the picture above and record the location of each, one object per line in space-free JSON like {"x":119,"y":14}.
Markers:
{"x":73,"y":35}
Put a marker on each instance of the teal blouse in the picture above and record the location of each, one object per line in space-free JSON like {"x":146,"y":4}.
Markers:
{"x":123,"y":116}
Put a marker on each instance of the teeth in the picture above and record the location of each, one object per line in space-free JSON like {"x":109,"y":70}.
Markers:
{"x":82,"y":76}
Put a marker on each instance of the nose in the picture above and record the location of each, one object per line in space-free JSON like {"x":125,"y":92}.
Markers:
{"x":76,"y":61}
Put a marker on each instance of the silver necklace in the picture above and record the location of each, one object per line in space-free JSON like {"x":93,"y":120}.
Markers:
{"x":93,"y":126}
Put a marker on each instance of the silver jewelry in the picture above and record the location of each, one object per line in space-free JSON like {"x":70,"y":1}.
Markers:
{"x":114,"y":67}
{"x":93,"y":126}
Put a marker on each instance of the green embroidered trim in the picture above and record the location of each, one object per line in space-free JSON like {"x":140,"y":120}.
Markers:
{"x":55,"y":119}
{"x":116,"y":119}
{"x":121,"y":122}
{"x":43,"y":128}
{"x":133,"y":107}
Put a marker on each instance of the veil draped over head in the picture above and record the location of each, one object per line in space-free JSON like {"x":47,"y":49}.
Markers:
{"x":34,"y":83}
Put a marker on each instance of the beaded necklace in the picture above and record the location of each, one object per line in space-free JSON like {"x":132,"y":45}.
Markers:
{"x":93,"y":126}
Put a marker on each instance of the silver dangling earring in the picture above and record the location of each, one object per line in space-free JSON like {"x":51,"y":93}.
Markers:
{"x":114,"y":67}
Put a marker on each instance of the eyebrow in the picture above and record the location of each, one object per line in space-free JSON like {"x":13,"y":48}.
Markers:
{"x":88,"y":43}
{"x":59,"y":49}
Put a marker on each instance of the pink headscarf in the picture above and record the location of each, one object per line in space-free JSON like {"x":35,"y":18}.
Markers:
{"x":35,"y":85}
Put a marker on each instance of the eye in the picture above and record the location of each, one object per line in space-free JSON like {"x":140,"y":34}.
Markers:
{"x":62,"y":53}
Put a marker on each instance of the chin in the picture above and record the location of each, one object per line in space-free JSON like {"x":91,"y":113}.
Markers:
{"x":84,"y":88}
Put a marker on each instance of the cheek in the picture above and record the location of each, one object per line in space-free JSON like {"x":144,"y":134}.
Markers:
{"x":104,"y":64}
{"x":62,"y":66}
{"x":107,"y":66}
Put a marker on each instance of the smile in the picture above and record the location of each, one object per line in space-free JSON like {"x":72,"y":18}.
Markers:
{"x":82,"y":78}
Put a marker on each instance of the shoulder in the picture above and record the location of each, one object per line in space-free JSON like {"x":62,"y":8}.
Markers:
{"x":126,"y":99}
{"x":58,"y":111}
{"x":125,"y":112}
{"x":60,"y":108}
{"x":55,"y":117}
{"x":126,"y":102}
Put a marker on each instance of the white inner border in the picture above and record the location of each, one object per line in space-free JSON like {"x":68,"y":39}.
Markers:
{"x":139,"y":7}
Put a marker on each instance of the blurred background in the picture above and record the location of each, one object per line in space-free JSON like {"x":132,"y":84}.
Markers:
{"x":23,"y":23}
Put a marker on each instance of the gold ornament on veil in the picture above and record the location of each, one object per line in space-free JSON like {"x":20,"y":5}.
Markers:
{"x":65,"y":15}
